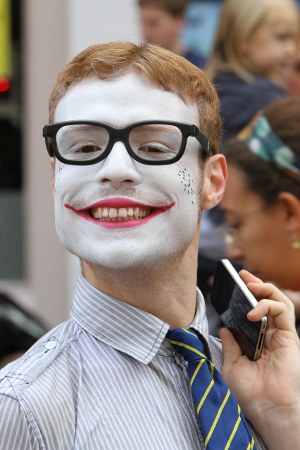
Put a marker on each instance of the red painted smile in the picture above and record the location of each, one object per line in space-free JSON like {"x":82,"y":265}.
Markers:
{"x":119,"y":213}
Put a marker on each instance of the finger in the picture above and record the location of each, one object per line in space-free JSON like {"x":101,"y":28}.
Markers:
{"x":247,"y":277}
{"x":269,"y":291}
{"x":282,"y":317}
{"x":265,"y":290}
{"x":231,"y":349}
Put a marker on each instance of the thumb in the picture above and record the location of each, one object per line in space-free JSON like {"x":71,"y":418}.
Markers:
{"x":231,"y":349}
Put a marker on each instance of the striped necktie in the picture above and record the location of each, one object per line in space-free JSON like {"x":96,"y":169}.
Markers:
{"x":222,"y":422}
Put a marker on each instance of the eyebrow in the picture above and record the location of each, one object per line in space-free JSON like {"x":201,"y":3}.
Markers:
{"x":79,"y":127}
{"x":159,"y":127}
{"x":227,"y":211}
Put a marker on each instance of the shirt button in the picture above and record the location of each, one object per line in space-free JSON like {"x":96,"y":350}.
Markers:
{"x":50,"y":345}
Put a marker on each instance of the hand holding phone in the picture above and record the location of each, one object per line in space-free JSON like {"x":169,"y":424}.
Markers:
{"x":267,"y":387}
{"x":232,"y":300}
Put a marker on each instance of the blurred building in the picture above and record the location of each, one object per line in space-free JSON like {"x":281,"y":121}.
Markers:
{"x":35,"y":269}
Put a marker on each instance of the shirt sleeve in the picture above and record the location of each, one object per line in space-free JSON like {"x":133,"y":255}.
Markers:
{"x":15,"y":431}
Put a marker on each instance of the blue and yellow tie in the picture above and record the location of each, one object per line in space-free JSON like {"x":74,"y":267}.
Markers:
{"x":222,"y":422}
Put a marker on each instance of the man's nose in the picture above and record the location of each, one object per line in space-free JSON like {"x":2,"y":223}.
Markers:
{"x":118,"y":168}
{"x":234,"y":252}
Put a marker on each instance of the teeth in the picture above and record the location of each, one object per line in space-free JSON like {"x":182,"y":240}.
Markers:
{"x":121,"y":214}
{"x":113,"y":213}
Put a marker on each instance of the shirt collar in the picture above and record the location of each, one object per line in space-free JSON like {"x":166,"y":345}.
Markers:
{"x":123,"y":326}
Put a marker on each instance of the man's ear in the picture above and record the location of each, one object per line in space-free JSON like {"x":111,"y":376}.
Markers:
{"x":52,"y":163}
{"x":291,"y":208}
{"x":215,"y":174}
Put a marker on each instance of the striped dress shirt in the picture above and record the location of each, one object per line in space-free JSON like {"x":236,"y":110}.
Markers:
{"x":105,"y":379}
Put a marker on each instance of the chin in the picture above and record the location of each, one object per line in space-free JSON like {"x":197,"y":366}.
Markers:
{"x":126,"y":249}
{"x":126,"y":257}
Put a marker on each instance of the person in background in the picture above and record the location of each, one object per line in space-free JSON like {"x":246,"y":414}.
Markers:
{"x":255,"y":43}
{"x":262,"y":197}
{"x":162,"y":22}
{"x":292,"y":77}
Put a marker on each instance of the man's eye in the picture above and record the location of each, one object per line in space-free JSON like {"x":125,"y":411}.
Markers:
{"x":82,"y":151}
{"x":88,"y":149}
{"x":284,"y":37}
{"x":233,"y":226}
{"x":155,"y":148}
{"x":151,"y":149}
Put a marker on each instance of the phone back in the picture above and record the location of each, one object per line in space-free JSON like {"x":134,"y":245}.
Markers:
{"x":232,"y":301}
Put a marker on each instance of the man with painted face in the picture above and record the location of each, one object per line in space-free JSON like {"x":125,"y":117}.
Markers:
{"x":133,"y":139}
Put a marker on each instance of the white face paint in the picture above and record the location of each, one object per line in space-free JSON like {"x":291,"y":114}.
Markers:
{"x":122,"y":186}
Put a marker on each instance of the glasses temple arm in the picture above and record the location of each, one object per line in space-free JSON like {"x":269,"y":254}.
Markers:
{"x":203,"y":140}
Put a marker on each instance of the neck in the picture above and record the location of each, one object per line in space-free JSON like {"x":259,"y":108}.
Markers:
{"x":166,"y":290}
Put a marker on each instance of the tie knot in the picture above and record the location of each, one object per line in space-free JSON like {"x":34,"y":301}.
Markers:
{"x":186,"y":343}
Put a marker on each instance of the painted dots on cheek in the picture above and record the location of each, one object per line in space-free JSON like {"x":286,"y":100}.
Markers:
{"x":60,"y":168}
{"x":57,"y":175}
{"x":187,"y":183}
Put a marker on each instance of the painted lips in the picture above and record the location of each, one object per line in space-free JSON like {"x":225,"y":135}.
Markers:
{"x":119,"y":213}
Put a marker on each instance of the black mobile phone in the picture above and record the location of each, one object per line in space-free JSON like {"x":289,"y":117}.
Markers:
{"x":232,"y":300}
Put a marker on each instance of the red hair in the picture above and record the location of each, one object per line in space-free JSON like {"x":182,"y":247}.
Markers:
{"x":163,"y":68}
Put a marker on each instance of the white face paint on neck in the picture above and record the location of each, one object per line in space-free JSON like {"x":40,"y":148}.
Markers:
{"x":166,"y":195}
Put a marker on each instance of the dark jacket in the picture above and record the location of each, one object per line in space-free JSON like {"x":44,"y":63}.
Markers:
{"x":240,"y":100}
{"x":195,"y":59}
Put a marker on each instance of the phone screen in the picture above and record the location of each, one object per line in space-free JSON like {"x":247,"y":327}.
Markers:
{"x":233,"y":303}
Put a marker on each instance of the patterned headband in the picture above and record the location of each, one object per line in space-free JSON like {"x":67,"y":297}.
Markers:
{"x":261,"y":140}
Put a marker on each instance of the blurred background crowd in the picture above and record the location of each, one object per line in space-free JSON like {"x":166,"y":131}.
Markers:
{"x":250,"y":49}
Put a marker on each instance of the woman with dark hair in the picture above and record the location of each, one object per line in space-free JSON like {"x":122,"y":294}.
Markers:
{"x":262,"y":197}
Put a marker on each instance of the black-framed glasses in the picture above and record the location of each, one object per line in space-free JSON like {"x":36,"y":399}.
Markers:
{"x":150,"y":142}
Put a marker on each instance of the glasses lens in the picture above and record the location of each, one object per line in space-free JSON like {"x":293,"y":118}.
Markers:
{"x":81,"y":142}
{"x":155,"y":142}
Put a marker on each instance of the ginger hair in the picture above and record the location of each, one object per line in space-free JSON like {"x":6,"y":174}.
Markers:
{"x":161,"y":67}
